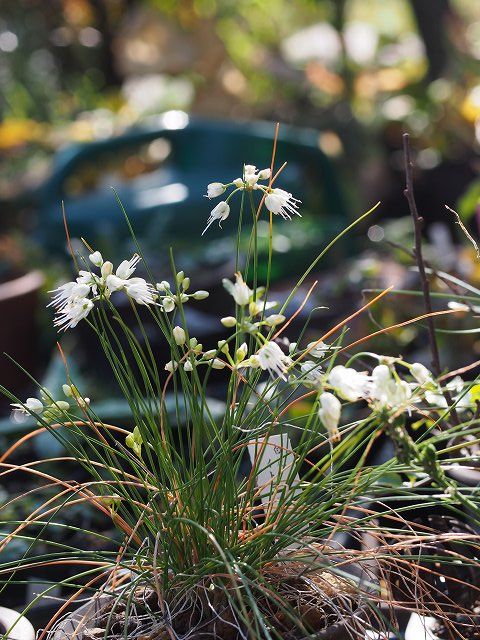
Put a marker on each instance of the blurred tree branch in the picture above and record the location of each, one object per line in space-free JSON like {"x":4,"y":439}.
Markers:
{"x":431,"y":17}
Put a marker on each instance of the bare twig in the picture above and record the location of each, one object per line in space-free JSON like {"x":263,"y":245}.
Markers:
{"x":417,"y":226}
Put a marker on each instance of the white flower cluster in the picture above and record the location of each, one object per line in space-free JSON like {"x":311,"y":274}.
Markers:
{"x":47,"y":407}
{"x":277,"y":201}
{"x":73,"y":301}
{"x":382,"y":389}
{"x":268,"y":357}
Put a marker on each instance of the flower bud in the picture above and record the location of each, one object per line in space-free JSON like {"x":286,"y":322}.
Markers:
{"x":96,"y":258}
{"x":421,"y":374}
{"x":329,"y":413}
{"x":192,"y":343}
{"x":179,"y":335}
{"x":188,"y":366}
{"x":180,"y":277}
{"x":228,"y":321}
{"x":264,"y":174}
{"x":241,"y":352}
{"x":218,"y":364}
{"x":170,"y":366}
{"x":107,"y":269}
{"x":223,"y":346}
{"x":200,"y":295}
{"x":67,"y":390}
{"x":238,"y":182}
{"x":185,"y":284}
{"x":208,"y":355}
{"x":164,"y":285}
{"x":274,"y":319}
{"x":63,"y":405}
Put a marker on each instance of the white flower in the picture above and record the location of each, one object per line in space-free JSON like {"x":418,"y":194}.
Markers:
{"x":188,"y":366}
{"x":140,"y":291}
{"x":71,"y":314}
{"x":220,"y":213}
{"x":388,"y":392}
{"x":421,"y":374}
{"x":168,"y":304}
{"x":272,"y":358}
{"x":179,"y":335}
{"x":240,"y":291}
{"x":215,"y":189}
{"x":317,"y":349}
{"x":127,"y":267}
{"x":89,"y":279}
{"x":311,"y":374}
{"x":455,"y":387}
{"x":329,"y":413}
{"x":68,"y":293}
{"x":96,"y":258}
{"x":31,"y":405}
{"x":264,"y":174}
{"x":348,"y":383}
{"x":164,"y":285}
{"x":282,"y":203}
{"x":171,"y":366}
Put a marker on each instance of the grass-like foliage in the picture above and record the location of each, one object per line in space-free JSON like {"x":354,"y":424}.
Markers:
{"x":230,"y":528}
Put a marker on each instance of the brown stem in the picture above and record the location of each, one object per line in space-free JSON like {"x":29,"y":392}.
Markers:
{"x":417,"y":227}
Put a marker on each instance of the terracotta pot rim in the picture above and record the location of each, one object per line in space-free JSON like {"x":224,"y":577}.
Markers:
{"x":17,"y":287}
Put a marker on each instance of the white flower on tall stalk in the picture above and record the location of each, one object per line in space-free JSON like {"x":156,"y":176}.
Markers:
{"x":70,"y":315}
{"x":33,"y":405}
{"x":311,"y":374}
{"x":388,"y":392}
{"x":136,"y":288}
{"x":421,"y":374}
{"x":140,"y":291}
{"x":126,"y":268}
{"x":68,"y":293}
{"x":282,"y":203}
{"x":317,"y":349}
{"x":455,"y":387}
{"x":220,"y":213}
{"x":215,"y":189}
{"x":240,"y":291}
{"x":272,"y":359}
{"x":329,"y":413}
{"x":348,"y":383}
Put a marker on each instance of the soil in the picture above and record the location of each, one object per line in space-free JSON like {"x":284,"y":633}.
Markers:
{"x":319,"y":598}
